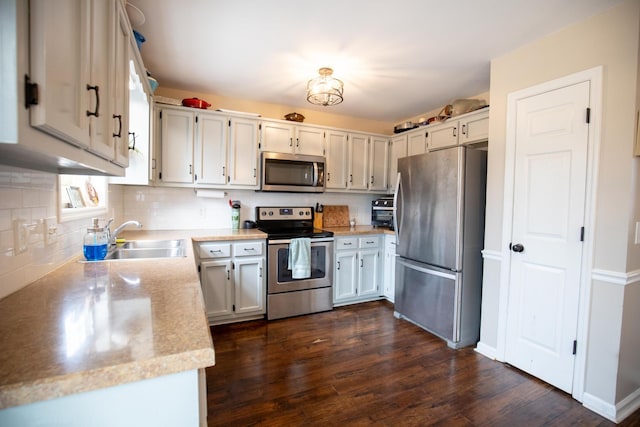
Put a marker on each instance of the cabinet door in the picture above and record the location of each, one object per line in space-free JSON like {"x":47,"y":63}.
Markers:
{"x":378,"y":162}
{"x":368,"y":272}
{"x":309,"y":140}
{"x":389,"y":267}
{"x":217,"y":289}
{"x":103,"y":25}
{"x":120,"y":78}
{"x":211,"y":143}
{"x":444,"y":135}
{"x":277,"y":137}
{"x":177,"y":146}
{"x":398,"y":150}
{"x":346,"y":275}
{"x":337,"y":166}
{"x":417,"y":143}
{"x":250,"y":293}
{"x":474,"y":128}
{"x":59,"y":38}
{"x":358,"y":161}
{"x":243,"y":152}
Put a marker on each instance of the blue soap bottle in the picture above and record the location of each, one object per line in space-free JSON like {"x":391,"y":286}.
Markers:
{"x":96,"y":242}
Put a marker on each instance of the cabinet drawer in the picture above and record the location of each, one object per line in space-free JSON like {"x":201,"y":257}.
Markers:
{"x":347,"y":243}
{"x":247,"y":249}
{"x":369,"y":242}
{"x":214,"y":250}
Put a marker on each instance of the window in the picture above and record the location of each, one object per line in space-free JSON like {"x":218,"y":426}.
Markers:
{"x":82,"y":196}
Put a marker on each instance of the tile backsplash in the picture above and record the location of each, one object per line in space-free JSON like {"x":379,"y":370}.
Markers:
{"x":163,"y":208}
{"x":31,"y":196}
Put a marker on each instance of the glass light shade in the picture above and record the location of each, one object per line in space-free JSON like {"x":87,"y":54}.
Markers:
{"x":324,"y":89}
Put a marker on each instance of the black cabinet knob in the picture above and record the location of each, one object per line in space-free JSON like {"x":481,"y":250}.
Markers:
{"x":517,"y":248}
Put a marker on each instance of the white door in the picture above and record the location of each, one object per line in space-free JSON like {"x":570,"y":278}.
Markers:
{"x":310,"y":140}
{"x":548,"y":216}
{"x":336,"y":159}
{"x":378,"y":162}
{"x":211,"y":157}
{"x":243,"y":146}
{"x":358,"y":161}
{"x":249,"y":285}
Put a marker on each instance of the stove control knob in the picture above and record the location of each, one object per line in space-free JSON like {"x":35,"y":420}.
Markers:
{"x":270,"y":213}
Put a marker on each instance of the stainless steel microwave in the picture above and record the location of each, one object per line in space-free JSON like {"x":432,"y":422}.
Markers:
{"x":292,"y":173}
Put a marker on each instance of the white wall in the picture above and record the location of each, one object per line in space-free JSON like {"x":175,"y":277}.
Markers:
{"x":611,"y":40}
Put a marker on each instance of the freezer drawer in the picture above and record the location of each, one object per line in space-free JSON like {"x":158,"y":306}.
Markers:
{"x":428,"y":297}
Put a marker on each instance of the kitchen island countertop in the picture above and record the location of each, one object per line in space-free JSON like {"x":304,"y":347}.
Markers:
{"x":91,"y":325}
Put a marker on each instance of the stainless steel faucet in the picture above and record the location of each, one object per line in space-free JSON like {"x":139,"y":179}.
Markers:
{"x":114,"y":235}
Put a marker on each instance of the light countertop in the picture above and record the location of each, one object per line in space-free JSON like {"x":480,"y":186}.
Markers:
{"x":358,"y":229}
{"x":91,"y":325}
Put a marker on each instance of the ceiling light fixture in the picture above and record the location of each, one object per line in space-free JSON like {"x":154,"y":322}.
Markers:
{"x":324,"y":89}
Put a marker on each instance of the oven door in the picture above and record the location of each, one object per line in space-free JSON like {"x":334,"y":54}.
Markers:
{"x":280,"y":278}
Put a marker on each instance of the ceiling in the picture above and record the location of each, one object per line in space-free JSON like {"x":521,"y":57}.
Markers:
{"x":397,"y":59}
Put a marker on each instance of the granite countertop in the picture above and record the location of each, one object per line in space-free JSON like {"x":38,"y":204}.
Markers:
{"x":90,"y":325}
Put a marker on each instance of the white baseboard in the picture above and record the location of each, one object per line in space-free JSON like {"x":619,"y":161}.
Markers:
{"x":627,"y":406}
{"x":615,"y":413}
{"x":486,"y":350}
{"x":599,"y":406}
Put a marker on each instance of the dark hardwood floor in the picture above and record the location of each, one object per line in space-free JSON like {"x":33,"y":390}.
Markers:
{"x":358,"y":365}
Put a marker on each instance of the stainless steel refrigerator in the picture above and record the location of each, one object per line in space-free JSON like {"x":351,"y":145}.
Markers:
{"x":439,"y":223}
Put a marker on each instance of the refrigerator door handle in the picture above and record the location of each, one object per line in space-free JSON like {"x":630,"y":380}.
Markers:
{"x":396,"y":208}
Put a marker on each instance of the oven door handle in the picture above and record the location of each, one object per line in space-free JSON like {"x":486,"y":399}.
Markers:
{"x":287,"y":241}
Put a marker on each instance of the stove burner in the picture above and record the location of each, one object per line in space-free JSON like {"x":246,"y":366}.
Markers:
{"x":288,"y":223}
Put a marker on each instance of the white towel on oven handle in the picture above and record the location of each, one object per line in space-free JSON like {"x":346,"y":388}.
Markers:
{"x":300,"y":258}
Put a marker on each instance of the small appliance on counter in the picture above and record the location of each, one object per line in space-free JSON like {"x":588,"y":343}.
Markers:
{"x":382,"y":212}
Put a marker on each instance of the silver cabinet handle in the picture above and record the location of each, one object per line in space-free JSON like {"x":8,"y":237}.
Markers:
{"x":454,"y":131}
{"x":223,"y":170}
{"x":290,"y":142}
{"x":338,"y":267}
{"x":361,"y":263}
{"x":249,"y":249}
{"x":464,"y":130}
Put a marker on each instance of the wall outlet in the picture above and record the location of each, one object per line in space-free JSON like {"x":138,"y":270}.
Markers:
{"x":50,"y":230}
{"x":20,"y":236}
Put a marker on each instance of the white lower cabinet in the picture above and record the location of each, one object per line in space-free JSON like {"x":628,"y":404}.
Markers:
{"x":232,"y":276}
{"x":389,"y":282}
{"x":357,"y":269}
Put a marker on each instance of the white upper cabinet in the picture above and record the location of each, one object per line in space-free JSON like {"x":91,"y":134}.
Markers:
{"x":474,"y":127}
{"x":120,"y":71}
{"x":310,"y":140}
{"x":337,"y":166}
{"x":207,"y":148}
{"x":417,"y":142}
{"x":378,"y":163}
{"x":398,"y":149}
{"x":77,"y":56}
{"x":284,"y":137}
{"x":176,"y":145}
{"x":444,"y":134}
{"x":243,"y":153}
{"x":211,"y":137}
{"x":358,"y":161}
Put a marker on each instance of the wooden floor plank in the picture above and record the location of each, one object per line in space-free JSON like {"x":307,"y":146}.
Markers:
{"x":359,"y":366}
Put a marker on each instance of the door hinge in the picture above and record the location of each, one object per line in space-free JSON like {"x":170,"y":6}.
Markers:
{"x":160,"y":176}
{"x":233,"y":265}
{"x":160,"y":114}
{"x":575,"y":346}
{"x":30,"y":92}
{"x":199,"y":269}
{"x":229,"y":122}
{"x":196,"y":119}
{"x":259,"y":126}
{"x":588,"y":115}
{"x":233,"y":307}
{"x":582,"y":234}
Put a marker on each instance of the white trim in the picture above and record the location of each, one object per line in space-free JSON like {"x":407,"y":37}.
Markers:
{"x":599,"y":406}
{"x":492,"y":255}
{"x":486,"y":350}
{"x":616,"y":277}
{"x":594,"y":77}
{"x":627,"y":406}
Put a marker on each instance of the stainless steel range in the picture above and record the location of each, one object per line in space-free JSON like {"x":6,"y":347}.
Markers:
{"x":287,"y":296}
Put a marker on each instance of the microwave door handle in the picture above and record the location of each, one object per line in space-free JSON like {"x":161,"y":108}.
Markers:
{"x":315,"y":174}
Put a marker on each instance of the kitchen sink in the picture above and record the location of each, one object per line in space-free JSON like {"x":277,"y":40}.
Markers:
{"x":152,"y":244}
{"x":145,"y":249}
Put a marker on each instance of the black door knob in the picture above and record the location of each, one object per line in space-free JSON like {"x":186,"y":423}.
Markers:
{"x":517,"y":248}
